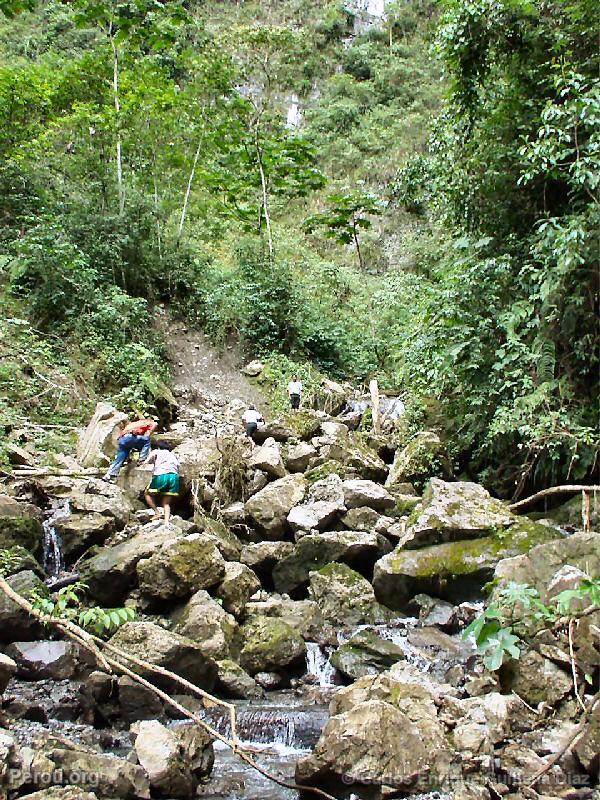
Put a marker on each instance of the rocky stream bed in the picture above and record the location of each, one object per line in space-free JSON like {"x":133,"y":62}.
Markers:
{"x":308,"y":582}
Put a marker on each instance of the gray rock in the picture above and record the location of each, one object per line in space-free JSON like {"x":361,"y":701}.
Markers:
{"x":44,"y":659}
{"x":328,"y":490}
{"x":15,"y":623}
{"x":361,"y":519}
{"x":180,"y":568}
{"x":205,"y":622}
{"x":297,"y":457}
{"x":366,"y":653}
{"x":270,"y":507}
{"x":267,"y":458}
{"x":235,"y":682}
{"x":587,"y":747}
{"x":345,"y":597}
{"x":98,"y":443}
{"x":269,"y":644}
{"x":263,"y":556}
{"x":359,"y":493}
{"x":310,"y":516}
{"x":23,"y":531}
{"x":233,"y":514}
{"x":237,"y":587}
{"x":314,"y":551}
{"x":159,"y":647}
{"x":253,"y":368}
{"x":302,"y":616}
{"x":220,"y":535}
{"x":78,"y":532}
{"x":334,"y":429}
{"x":536,"y":679}
{"x":136,"y":702}
{"x":419,"y":459}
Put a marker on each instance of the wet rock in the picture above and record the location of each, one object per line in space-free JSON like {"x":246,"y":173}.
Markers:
{"x":171,"y":757}
{"x":151,"y":643}
{"x":269,"y":644}
{"x":345,"y":597}
{"x":15,"y":623}
{"x":9,"y":507}
{"x":360,"y":493}
{"x":182,"y":567}
{"x":435,"y":612}
{"x":235,"y":682}
{"x":420,"y":458}
{"x":270,"y":507}
{"x":111,"y":571}
{"x":78,"y":532}
{"x":314,"y":551}
{"x":538,"y":567}
{"x":587,"y":747}
{"x":98,"y":443}
{"x":8,"y":668}
{"x":536,"y":679}
{"x":332,"y":397}
{"x":237,"y":587}
{"x":366,"y":653}
{"x":136,"y":702}
{"x":20,"y":560}
{"x":297,"y":457}
{"x":452,"y":570}
{"x":113,"y":777}
{"x":263,"y":556}
{"x":205,"y":622}
{"x":44,"y":659}
{"x":267,"y":458}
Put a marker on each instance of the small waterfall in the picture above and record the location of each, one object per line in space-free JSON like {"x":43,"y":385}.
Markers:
{"x":318,"y":664}
{"x":53,"y":557}
{"x":292,"y":728}
{"x":294,"y":115}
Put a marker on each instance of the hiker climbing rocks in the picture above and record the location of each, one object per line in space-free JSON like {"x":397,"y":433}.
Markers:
{"x":251,"y":419}
{"x":165,"y":479}
{"x":295,"y":392}
{"x":134,"y":437}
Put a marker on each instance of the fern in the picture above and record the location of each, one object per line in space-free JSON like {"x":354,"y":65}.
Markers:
{"x":545,"y":350}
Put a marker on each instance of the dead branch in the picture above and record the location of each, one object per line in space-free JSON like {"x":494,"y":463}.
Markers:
{"x":574,"y":665}
{"x":552,"y":491}
{"x":111,"y":663}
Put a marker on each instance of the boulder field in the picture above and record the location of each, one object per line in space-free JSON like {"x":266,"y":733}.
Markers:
{"x":315,"y":541}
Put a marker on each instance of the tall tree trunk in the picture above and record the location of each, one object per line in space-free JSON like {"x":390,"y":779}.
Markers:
{"x":120,"y":187}
{"x":156,"y":214}
{"x":188,"y":190}
{"x":265,"y":194}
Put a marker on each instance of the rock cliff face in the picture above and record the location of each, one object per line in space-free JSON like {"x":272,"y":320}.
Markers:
{"x":308,"y":541}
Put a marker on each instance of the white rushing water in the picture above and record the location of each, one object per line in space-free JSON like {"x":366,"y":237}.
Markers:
{"x":53,"y":557}
{"x":319,"y":665}
{"x":294,"y":115}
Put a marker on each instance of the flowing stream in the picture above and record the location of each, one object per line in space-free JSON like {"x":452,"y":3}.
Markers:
{"x":53,"y":560}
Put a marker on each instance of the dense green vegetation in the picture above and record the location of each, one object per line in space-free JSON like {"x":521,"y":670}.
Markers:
{"x":432,"y":221}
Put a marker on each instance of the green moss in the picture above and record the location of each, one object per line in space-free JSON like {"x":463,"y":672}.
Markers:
{"x":23,"y":532}
{"x":328,"y":467}
{"x":304,"y":424}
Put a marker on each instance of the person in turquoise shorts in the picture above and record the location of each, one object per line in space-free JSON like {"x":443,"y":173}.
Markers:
{"x":165,"y":479}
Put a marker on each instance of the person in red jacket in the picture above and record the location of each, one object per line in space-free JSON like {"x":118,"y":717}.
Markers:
{"x":134,"y":436}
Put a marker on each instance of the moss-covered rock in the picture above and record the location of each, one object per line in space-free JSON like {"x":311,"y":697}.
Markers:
{"x":366,"y":653}
{"x":269,"y":644}
{"x":19,"y":559}
{"x":420,"y":458}
{"x":328,"y":467}
{"x":453,"y":570}
{"x":345,"y":597}
{"x":206,"y":622}
{"x":21,"y":532}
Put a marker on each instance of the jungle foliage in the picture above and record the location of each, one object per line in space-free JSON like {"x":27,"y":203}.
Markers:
{"x":429,"y":217}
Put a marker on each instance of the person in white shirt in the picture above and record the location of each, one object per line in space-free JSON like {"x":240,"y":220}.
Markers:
{"x":251,"y":419}
{"x":165,"y":479}
{"x":295,"y":391}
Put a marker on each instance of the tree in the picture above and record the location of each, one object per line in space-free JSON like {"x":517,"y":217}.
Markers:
{"x":346,"y":214}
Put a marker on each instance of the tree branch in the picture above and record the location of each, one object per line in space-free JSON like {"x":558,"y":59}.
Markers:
{"x":552,"y":491}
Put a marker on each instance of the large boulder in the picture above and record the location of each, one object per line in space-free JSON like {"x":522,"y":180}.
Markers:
{"x":421,"y":457}
{"x":15,"y":622}
{"x":180,"y":568}
{"x":453,"y":570}
{"x":269,"y":645}
{"x":313,"y":551}
{"x":9,"y":507}
{"x":237,"y":587}
{"x":217,"y":532}
{"x":23,"y":531}
{"x":536,"y":679}
{"x":539,"y":566}
{"x":297,"y":456}
{"x":270,"y":507}
{"x":44,"y":659}
{"x":98,"y":443}
{"x":345,"y":597}
{"x":268,"y":459}
{"x":262,"y":557}
{"x":162,"y":648}
{"x":301,"y":425}
{"x":174,"y":759}
{"x":205,"y":622}
{"x":361,"y":493}
{"x":113,"y":777}
{"x":454,"y":511}
{"x":303,"y":616}
{"x":78,"y":532}
{"x":331,"y":397}
{"x":198,"y":458}
{"x":235,"y":682}
{"x":324,"y":502}
{"x":366,"y":653}
{"x":110,"y":571}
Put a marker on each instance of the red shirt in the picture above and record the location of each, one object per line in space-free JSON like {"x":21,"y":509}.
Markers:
{"x":138,"y":428}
